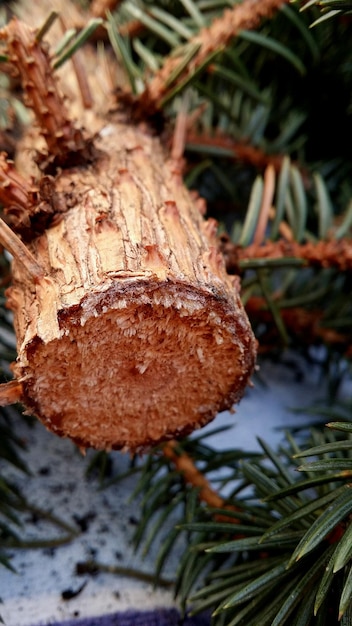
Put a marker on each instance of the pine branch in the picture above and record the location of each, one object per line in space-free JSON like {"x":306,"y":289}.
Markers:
{"x":329,"y":9}
{"x":292,"y":232}
{"x":305,"y":327}
{"x":185,"y":466}
{"x":335,"y":254}
{"x":241,"y":151}
{"x":33,"y":63}
{"x":307,"y":518}
{"x":192,"y":476}
{"x":206,"y":44}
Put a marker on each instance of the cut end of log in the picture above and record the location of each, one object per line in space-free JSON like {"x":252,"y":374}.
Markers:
{"x":137,"y":366}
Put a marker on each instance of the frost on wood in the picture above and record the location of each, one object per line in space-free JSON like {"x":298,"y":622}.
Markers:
{"x":133,"y":333}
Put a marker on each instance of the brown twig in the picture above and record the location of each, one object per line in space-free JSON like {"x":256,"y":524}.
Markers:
{"x":216,"y":37}
{"x":303,"y":324}
{"x":335,"y":253}
{"x":184,"y":464}
{"x":31,"y":59}
{"x":238,"y":150}
{"x":194,"y":477}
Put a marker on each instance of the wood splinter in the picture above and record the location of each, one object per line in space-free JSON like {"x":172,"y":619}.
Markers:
{"x":134,"y":333}
{"x":20,"y":252}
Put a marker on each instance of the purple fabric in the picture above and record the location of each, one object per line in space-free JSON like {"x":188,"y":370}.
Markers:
{"x":161,"y":617}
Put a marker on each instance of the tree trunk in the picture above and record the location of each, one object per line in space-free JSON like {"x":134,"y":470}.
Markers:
{"x":129,"y":329}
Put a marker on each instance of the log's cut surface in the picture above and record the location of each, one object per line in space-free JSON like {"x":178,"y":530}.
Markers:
{"x":135,"y":333}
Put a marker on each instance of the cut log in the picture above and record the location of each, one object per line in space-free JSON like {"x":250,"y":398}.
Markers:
{"x":129,"y":330}
{"x":136,"y":333}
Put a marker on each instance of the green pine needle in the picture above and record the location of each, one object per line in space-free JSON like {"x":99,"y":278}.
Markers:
{"x":274,"y":46}
{"x":334,"y":514}
{"x":69,"y":48}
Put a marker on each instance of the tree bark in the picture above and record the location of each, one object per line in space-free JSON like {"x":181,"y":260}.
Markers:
{"x":129,"y":329}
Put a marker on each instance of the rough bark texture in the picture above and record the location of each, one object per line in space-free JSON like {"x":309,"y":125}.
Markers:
{"x":136,"y":333}
{"x":129,"y":329}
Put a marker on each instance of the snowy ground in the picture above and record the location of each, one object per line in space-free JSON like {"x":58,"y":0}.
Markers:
{"x":36,"y":593}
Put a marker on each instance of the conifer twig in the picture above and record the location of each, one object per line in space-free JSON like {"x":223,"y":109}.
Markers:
{"x":194,"y":477}
{"x":336,"y":253}
{"x":299,"y":322}
{"x":31,"y":59}
{"x":244,"y":16}
{"x":238,"y":150}
{"x":191,"y":474}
